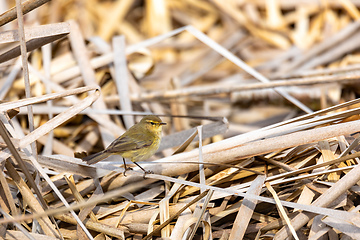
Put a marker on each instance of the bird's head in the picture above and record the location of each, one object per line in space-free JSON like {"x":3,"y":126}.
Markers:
{"x":152,"y":123}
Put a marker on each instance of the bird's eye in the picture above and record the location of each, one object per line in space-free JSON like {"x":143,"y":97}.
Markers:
{"x":152,"y":123}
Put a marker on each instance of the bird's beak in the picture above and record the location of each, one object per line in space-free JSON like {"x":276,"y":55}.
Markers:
{"x":162,"y":123}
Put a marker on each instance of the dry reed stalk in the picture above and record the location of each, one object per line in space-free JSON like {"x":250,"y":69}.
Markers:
{"x":246,"y":210}
{"x":214,"y":90}
{"x":26,"y":7}
{"x":36,"y":32}
{"x":282,"y":211}
{"x":23,"y":48}
{"x":6,"y":191}
{"x":121,"y":78}
{"x":108,"y":230}
{"x":37,"y":38}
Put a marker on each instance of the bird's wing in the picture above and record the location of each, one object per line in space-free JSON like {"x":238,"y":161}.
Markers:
{"x":127,"y":143}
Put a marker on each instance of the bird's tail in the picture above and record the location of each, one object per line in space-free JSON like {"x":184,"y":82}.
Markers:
{"x":96,"y":157}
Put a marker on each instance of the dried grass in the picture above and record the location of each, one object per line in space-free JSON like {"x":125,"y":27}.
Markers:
{"x":239,"y":159}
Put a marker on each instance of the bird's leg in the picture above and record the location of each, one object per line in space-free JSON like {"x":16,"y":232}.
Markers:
{"x":145,"y":172}
{"x":126,"y":168}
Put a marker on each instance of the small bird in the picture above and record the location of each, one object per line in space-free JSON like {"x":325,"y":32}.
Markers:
{"x":138,"y":143}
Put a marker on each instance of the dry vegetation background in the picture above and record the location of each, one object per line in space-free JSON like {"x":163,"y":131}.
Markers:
{"x":268,"y":147}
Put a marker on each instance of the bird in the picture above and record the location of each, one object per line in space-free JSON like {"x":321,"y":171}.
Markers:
{"x":138,"y":143}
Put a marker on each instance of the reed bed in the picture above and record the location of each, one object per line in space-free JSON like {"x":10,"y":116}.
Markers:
{"x":259,"y":97}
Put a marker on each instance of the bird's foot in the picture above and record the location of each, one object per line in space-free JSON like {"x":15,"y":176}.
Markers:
{"x":127,"y":168}
{"x":147,"y":172}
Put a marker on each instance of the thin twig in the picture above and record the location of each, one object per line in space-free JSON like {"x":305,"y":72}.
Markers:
{"x":26,"y":70}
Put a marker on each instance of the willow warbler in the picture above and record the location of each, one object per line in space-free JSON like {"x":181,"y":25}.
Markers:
{"x":138,"y":143}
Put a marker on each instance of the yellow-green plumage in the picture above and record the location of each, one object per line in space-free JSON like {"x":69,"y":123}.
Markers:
{"x":138,"y":143}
